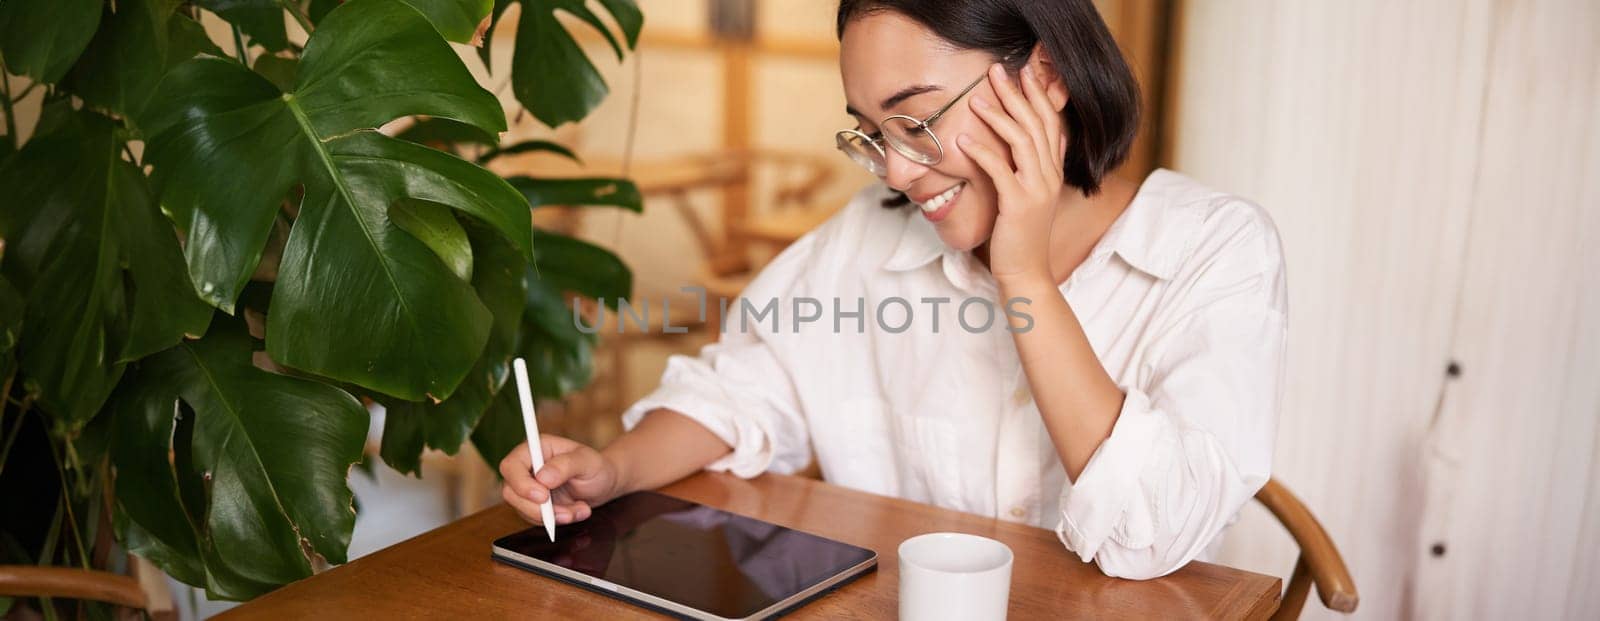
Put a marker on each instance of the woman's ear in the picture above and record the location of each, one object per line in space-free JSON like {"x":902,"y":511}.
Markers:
{"x":1054,"y":87}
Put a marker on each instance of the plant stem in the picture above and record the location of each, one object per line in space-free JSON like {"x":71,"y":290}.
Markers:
{"x":239,"y":50}
{"x":47,"y":556}
{"x":11,"y":437}
{"x":66,"y":500}
{"x":5,"y":102}
{"x":299,"y":15}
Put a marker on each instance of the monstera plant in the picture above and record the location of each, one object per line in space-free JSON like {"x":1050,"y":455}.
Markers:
{"x":210,"y":257}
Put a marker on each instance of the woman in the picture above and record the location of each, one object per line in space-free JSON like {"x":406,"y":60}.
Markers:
{"x":1127,"y":395}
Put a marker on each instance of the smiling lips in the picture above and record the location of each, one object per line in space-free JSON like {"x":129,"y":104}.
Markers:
{"x":934,"y":208}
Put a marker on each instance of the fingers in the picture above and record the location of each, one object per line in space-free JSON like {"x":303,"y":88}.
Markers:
{"x":518,"y":460}
{"x":1050,"y":120}
{"x":575,"y":464}
{"x":1022,"y":156}
{"x":1005,"y":180}
{"x":1021,"y":111}
{"x":527,"y":508}
{"x":515,"y":469}
{"x":556,"y":445}
{"x":525,"y":490}
{"x":575,"y":511}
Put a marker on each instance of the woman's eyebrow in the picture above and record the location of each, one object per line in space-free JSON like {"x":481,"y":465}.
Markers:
{"x":901,"y":95}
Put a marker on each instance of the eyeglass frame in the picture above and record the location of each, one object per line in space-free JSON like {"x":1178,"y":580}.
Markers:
{"x":924,"y":124}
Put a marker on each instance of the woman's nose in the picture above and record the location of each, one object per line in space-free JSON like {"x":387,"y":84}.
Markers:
{"x":901,"y":172}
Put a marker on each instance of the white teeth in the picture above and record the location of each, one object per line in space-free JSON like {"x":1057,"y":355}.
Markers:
{"x":936,"y":202}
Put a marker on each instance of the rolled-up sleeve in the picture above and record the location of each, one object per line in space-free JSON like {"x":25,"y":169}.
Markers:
{"x":1193,"y":441}
{"x":738,"y":387}
{"x":738,"y":391}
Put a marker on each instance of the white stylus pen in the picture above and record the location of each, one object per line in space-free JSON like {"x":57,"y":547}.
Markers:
{"x":530,"y":424}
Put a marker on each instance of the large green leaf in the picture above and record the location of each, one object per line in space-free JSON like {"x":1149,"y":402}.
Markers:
{"x":568,"y":264}
{"x":261,"y":20}
{"x":42,"y":38}
{"x":409,"y":426}
{"x":318,"y":9}
{"x":560,"y":361}
{"x":79,"y":217}
{"x":153,"y":521}
{"x":274,"y":452}
{"x":547,"y":54}
{"x":436,"y":227}
{"x":457,"y":20}
{"x":529,"y":146}
{"x":277,"y":69}
{"x":559,"y":355}
{"x":499,"y":429}
{"x":134,"y":47}
{"x":357,"y":299}
{"x":580,"y":191}
{"x":446,"y":135}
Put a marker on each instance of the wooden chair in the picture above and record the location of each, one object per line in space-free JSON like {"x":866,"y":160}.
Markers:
{"x":1319,"y":563}
{"x":145,"y":592}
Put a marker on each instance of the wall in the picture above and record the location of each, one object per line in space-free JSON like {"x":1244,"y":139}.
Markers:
{"x":1425,"y":162}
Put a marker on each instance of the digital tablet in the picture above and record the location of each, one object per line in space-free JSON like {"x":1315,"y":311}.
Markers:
{"x":687,"y":559}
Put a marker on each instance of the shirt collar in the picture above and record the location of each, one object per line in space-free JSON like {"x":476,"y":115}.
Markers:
{"x":919,"y":243}
{"x":1153,"y":234}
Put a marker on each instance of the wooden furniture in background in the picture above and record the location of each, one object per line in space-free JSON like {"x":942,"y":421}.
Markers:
{"x":448,"y":572}
{"x":1319,"y":563}
{"x":734,"y":39}
{"x":144,"y":591}
{"x":1142,"y":30}
{"x":795,"y":196}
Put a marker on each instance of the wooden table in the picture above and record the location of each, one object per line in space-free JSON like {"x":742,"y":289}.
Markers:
{"x":447,"y":572}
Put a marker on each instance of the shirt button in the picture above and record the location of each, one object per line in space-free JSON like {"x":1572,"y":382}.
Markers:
{"x":1018,"y":512}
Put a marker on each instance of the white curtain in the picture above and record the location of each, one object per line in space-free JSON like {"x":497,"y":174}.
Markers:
{"x":1434,"y":168}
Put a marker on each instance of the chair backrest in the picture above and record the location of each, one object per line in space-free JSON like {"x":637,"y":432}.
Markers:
{"x":1319,"y":563}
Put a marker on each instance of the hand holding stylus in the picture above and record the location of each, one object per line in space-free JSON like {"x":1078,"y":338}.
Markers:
{"x":573,"y":480}
{"x":530,"y":423}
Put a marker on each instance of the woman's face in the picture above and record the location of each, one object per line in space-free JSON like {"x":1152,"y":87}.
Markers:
{"x":884,"y":55}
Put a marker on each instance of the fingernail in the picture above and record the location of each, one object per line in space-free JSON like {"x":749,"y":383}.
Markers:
{"x":1027,"y":70}
{"x":999,"y":71}
{"x":980,"y":102}
{"x":963,"y":140}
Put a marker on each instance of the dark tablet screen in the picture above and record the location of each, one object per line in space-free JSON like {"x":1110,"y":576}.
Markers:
{"x":725,"y":564}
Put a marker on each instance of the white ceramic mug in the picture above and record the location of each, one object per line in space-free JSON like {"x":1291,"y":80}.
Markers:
{"x":954,"y":576}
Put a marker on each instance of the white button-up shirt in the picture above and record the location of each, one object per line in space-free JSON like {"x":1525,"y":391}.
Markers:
{"x":847,"y":350}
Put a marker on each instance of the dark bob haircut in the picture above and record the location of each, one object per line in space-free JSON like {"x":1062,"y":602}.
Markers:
{"x":1102,"y":112}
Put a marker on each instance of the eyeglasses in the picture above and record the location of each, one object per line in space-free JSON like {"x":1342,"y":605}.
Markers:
{"x":909,"y":136}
